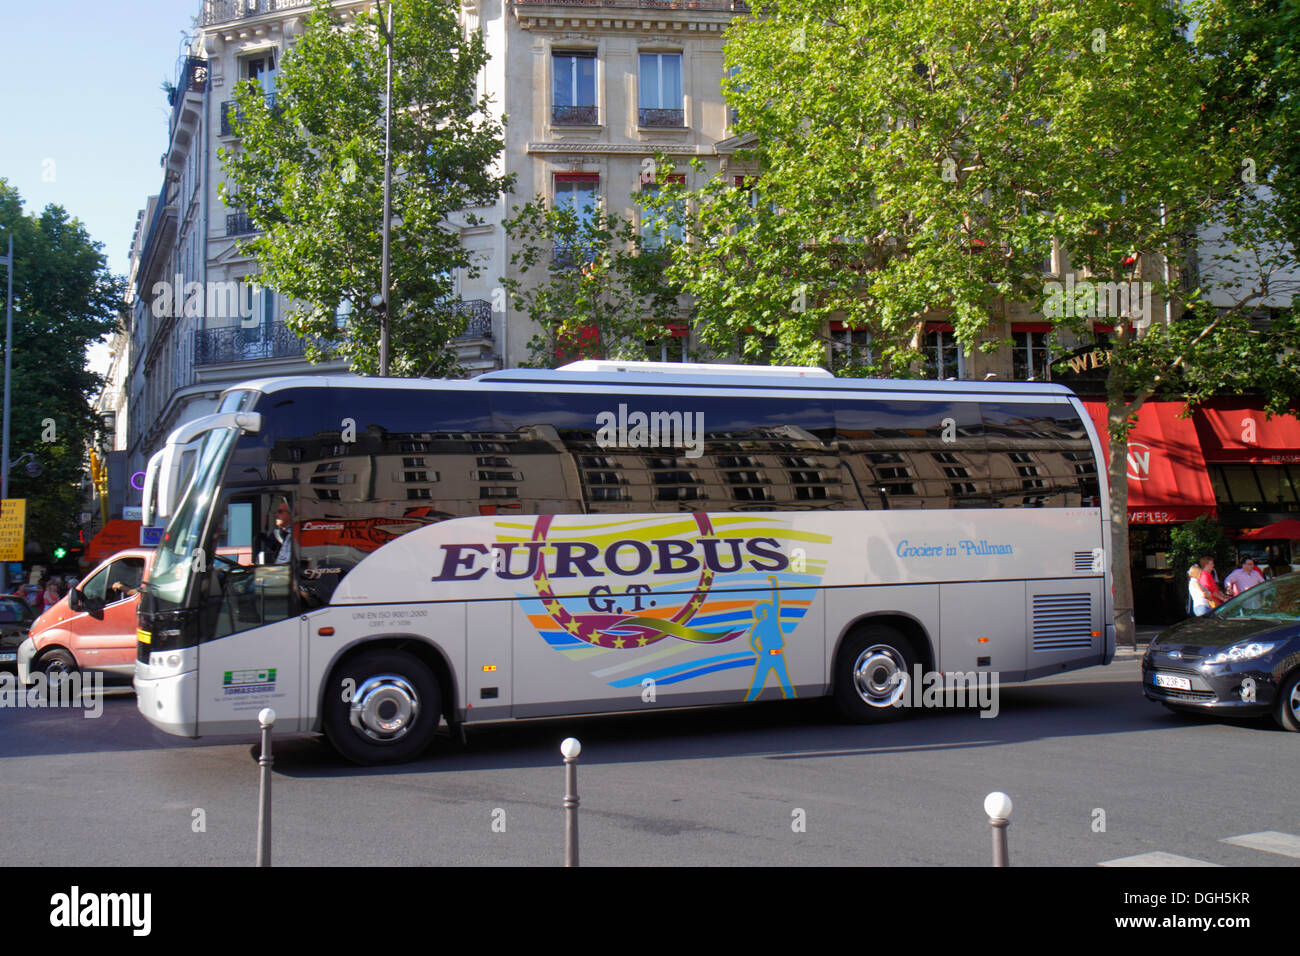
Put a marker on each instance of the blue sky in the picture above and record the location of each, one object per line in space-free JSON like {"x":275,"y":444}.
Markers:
{"x":85,"y":121}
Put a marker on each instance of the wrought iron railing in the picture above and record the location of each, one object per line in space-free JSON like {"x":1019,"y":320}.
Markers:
{"x":231,"y":114}
{"x":240,"y":344}
{"x":222,"y":11}
{"x":663,"y":118}
{"x":238,"y":224}
{"x":570,"y":255}
{"x":728,"y":6}
{"x":574,"y":116}
{"x":479,"y":318}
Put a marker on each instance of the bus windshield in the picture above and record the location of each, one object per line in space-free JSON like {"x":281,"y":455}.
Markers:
{"x":184,"y":534}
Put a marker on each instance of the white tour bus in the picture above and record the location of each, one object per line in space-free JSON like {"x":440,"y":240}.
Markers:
{"x":610,"y":537}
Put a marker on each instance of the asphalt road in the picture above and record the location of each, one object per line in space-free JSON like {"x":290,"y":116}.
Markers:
{"x":702,"y":787}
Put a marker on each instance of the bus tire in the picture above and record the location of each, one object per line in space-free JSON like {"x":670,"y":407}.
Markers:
{"x":873,"y":675}
{"x":382,"y":707}
{"x":1287,"y":710}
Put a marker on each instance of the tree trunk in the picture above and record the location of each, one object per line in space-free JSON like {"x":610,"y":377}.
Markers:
{"x":1120,"y":569}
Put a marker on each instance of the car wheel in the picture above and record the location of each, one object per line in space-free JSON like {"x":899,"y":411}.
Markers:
{"x":382,"y":707}
{"x":56,"y":664}
{"x":873,"y":675}
{"x":1287,"y":710}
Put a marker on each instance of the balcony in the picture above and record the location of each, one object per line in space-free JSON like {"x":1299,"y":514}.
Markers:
{"x":574,"y":116}
{"x":231,"y":114}
{"x":569,"y":255}
{"x":239,"y":344}
{"x":478,"y":313}
{"x":664,"y":119}
{"x":224,"y":11}
{"x":715,"y":6}
{"x":238,"y":224}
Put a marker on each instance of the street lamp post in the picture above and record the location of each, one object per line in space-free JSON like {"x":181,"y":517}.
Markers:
{"x":9,"y":341}
{"x":385,"y":315}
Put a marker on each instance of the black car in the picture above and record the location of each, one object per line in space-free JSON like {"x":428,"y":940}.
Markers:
{"x":15,"y":620}
{"x":1241,"y":659}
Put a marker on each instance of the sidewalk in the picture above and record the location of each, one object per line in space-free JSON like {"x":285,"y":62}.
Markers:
{"x":1144,"y":635}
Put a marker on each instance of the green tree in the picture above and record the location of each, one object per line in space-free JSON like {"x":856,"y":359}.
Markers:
{"x":65,"y":300}
{"x":601,"y":291}
{"x":309,"y":171}
{"x":917,"y":160}
{"x":1190,"y":542}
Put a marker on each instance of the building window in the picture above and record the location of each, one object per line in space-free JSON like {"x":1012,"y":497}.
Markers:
{"x":660,"y":90}
{"x":670,"y":347}
{"x":655,"y":230}
{"x":943,"y":358}
{"x":418,"y":494}
{"x":849,"y":347}
{"x":1030,"y":356}
{"x":580,"y":195}
{"x":573,"y":88}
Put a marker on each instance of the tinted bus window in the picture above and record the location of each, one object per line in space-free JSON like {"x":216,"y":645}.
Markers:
{"x":914,"y":454}
{"x":628,"y":453}
{"x":1039,"y":456}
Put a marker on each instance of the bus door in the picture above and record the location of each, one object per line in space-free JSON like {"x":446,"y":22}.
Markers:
{"x":253,"y":654}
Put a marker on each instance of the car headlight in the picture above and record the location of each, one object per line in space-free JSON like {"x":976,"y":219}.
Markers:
{"x":1242,"y":652}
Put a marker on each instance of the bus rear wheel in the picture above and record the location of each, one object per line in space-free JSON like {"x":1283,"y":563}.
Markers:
{"x":382,"y":707}
{"x":873,"y":675}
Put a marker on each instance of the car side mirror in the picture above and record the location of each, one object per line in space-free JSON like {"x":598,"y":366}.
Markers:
{"x":76,"y":600}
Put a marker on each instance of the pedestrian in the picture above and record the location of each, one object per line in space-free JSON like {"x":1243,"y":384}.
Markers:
{"x":51,"y":593}
{"x":1244,"y":578}
{"x":1200,"y":604}
{"x":1210,"y":583}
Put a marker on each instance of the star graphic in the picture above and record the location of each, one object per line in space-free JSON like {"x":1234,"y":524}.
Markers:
{"x":618,"y":642}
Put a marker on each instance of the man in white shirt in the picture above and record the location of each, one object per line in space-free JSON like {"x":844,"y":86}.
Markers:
{"x":1244,"y":578}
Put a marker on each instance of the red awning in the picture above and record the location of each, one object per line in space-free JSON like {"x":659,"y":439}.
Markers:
{"x":1167,"y":481}
{"x":1288,"y":530}
{"x":1236,"y":430}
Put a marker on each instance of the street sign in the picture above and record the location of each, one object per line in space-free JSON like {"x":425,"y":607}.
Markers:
{"x":150,"y":537}
{"x":13,"y":525}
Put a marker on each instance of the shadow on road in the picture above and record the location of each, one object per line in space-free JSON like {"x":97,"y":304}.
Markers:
{"x":1100,"y":702}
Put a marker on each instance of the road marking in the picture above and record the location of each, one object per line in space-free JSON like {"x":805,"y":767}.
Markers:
{"x":1156,"y":859}
{"x":1270,"y":841}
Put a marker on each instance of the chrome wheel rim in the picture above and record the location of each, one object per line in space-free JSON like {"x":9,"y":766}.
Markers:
{"x":880,"y":676}
{"x":1295,"y":702}
{"x":384,"y":708}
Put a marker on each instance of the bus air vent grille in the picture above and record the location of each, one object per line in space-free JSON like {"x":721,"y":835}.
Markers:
{"x":1062,"y":621}
{"x":1083,"y":561}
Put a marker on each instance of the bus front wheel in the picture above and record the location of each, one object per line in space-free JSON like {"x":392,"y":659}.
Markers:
{"x":873,"y":675}
{"x":382,"y":707}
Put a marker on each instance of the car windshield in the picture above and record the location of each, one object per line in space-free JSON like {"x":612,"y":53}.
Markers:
{"x":1276,"y":600}
{"x":183,"y":537}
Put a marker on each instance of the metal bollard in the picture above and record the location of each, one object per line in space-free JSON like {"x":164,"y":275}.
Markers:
{"x":998,"y":807}
{"x":266,"y":718}
{"x":570,"y":749}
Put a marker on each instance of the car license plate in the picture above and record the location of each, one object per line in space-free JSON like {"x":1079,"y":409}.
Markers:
{"x":1168,"y":680}
{"x":7,"y":656}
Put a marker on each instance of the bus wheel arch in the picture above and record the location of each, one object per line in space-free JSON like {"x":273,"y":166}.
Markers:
{"x":873,"y":665}
{"x":384,"y":699}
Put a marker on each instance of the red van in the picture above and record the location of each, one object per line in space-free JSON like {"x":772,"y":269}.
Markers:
{"x":93,"y":626}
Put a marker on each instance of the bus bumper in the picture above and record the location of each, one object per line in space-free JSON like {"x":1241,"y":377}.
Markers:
{"x":1109,"y":654}
{"x":166,"y":698}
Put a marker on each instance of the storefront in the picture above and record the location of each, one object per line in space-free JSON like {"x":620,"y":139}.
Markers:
{"x":1167,"y":485}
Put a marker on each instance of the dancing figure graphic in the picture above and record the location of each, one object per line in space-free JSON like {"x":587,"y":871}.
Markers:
{"x":768,"y":642}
